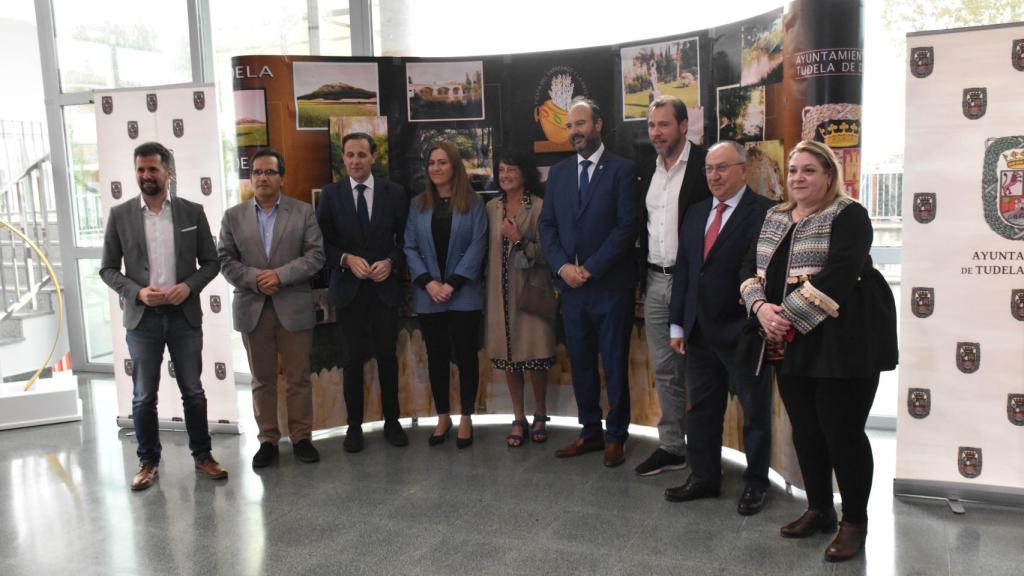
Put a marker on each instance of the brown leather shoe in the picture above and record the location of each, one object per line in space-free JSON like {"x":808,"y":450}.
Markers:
{"x":145,"y":477}
{"x":211,"y":468}
{"x":614,"y":455}
{"x":579,"y":447}
{"x":810,"y":523}
{"x":848,"y":542}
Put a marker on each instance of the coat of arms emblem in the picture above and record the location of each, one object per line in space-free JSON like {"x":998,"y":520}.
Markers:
{"x":1002,"y":186}
{"x":922,"y":301}
{"x":133,"y":129}
{"x":220,"y":370}
{"x":926,"y":204}
{"x":129,"y":367}
{"x":969,"y":462}
{"x":107,"y":104}
{"x":1015,"y":409}
{"x":151,"y":102}
{"x":1017,"y":55}
{"x":922,"y":60}
{"x":116,"y":190}
{"x":968,"y":357}
{"x":206,"y":185}
{"x":975,"y":102}
{"x":178,"y":126}
{"x":199,"y":99}
{"x":170,"y":369}
{"x":1017,"y":304}
{"x":919,"y":402}
{"x":215,"y":304}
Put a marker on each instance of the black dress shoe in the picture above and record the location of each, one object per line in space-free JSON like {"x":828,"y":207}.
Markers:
{"x":353,"y":439}
{"x":394,"y":434}
{"x":305,"y":451}
{"x":265,"y":455}
{"x":436,"y":439}
{"x":691,"y":491}
{"x":752,"y":501}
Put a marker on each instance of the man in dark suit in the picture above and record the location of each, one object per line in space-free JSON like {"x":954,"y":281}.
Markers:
{"x":587,"y":229}
{"x":161,"y":239}
{"x":673,"y":183}
{"x":363,"y":221}
{"x":707,"y":318}
{"x":270,"y":247}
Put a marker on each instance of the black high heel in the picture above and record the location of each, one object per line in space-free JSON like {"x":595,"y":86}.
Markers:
{"x":465,"y":442}
{"x":436,"y":439}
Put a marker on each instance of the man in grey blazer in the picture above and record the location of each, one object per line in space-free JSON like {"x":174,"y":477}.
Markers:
{"x":270,"y":247}
{"x":161,"y":240}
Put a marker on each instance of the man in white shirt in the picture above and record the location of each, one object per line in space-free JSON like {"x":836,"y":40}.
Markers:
{"x":672,"y":184}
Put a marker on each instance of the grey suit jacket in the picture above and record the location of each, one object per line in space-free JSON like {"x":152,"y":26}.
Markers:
{"x":296,"y":254}
{"x":125,"y":239}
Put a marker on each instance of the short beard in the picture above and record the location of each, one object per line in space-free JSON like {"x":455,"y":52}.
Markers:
{"x":151,"y":191}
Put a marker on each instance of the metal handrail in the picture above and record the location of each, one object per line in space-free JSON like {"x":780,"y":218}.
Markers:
{"x":6,"y":186}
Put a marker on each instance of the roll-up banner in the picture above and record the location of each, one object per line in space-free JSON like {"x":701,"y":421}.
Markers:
{"x":766,"y":81}
{"x":184,"y":119}
{"x":961,"y":427}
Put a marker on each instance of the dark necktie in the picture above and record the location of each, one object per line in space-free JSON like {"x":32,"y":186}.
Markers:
{"x":362,"y":208}
{"x":716,"y":226}
{"x":584,"y":182}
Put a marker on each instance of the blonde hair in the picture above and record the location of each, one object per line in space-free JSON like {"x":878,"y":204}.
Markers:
{"x":463,"y":196}
{"x":829,"y":163}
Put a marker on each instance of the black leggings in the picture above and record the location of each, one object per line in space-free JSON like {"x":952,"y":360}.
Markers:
{"x":447,"y":334}
{"x":828,"y":417}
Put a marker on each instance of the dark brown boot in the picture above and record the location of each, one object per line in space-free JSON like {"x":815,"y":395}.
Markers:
{"x":848,"y":542}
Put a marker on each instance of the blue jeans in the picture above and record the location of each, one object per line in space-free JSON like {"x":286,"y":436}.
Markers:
{"x":158,"y":328}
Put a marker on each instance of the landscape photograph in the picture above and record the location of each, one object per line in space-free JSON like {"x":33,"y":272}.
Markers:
{"x":650,"y":70}
{"x":326,"y":89}
{"x":444,"y":91}
{"x":251,"y":118}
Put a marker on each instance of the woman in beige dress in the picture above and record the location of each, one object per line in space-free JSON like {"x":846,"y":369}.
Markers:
{"x":519,"y":341}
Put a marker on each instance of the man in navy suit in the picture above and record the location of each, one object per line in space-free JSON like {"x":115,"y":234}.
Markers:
{"x":587,"y":228}
{"x":363,"y":221}
{"x":707,"y":318}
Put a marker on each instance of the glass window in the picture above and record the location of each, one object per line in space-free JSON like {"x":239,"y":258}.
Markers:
{"x":335,"y":30}
{"x":121,"y":43}
{"x":83,"y":159}
{"x":95,"y":312}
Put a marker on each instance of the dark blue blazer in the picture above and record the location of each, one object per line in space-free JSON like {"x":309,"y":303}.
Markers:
{"x":337,"y":217}
{"x":601,"y":234}
{"x":708,"y":292}
{"x":466,"y":249}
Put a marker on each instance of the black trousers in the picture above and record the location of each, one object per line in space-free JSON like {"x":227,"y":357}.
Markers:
{"x":369,"y":329}
{"x":454,"y":334}
{"x":710,"y":374}
{"x":828,"y":417}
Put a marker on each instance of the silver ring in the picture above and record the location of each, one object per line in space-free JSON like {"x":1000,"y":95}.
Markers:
{"x":773,"y":323}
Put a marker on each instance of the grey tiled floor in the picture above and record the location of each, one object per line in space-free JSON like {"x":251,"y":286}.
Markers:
{"x":65,"y":508}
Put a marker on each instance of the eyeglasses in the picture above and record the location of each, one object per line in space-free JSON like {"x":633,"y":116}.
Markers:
{"x":268,"y":173}
{"x":720,"y":168}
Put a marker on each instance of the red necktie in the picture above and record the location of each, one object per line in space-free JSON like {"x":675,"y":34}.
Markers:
{"x":716,"y":226}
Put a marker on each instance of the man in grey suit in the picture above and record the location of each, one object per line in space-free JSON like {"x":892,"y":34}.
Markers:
{"x":161,"y":239}
{"x":270,"y":247}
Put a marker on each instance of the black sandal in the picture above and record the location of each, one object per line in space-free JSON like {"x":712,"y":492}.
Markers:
{"x":539,"y":436}
{"x":517,"y":440}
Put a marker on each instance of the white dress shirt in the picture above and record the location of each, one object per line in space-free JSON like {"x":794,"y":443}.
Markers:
{"x":663,"y":210}
{"x":160,"y":244}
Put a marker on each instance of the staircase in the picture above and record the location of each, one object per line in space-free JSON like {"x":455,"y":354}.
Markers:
{"x":27,"y":204}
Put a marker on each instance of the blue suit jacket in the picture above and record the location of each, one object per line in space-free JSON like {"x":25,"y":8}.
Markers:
{"x":708,"y":292}
{"x":466,"y":248}
{"x":339,"y":221}
{"x":601,"y":234}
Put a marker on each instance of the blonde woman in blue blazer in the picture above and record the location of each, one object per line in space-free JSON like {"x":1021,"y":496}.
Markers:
{"x":445,"y":243}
